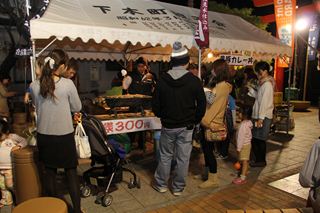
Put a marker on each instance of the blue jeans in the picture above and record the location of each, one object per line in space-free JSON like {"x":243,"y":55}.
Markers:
{"x":174,"y":144}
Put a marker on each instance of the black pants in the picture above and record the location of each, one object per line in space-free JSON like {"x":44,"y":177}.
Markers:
{"x":209,"y":158}
{"x":259,"y":149}
{"x":50,"y":185}
{"x":140,"y":137}
{"x":223,"y":146}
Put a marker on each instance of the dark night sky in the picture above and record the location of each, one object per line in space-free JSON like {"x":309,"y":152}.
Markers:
{"x":266,"y":10}
{"x":237,"y":4}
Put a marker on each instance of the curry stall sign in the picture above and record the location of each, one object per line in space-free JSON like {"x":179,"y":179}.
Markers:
{"x":236,"y":60}
{"x":131,"y":125}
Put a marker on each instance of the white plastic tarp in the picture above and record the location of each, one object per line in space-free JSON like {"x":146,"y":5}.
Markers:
{"x":146,"y":23}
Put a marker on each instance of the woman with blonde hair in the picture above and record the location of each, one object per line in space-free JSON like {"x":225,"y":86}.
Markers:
{"x":215,"y":114}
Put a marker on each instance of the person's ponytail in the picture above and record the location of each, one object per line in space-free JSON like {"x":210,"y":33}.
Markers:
{"x":51,"y":63}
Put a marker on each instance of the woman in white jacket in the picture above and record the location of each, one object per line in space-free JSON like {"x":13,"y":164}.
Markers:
{"x":262,"y":113}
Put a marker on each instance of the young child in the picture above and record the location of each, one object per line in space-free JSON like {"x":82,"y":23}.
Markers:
{"x":8,"y":143}
{"x":244,"y":137}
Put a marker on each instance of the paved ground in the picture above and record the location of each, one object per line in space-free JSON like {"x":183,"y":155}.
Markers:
{"x":291,"y":185}
{"x":284,"y":159}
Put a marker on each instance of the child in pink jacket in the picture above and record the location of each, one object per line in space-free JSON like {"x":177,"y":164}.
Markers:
{"x":244,"y":137}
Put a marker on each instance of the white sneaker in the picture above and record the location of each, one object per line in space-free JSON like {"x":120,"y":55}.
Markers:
{"x":177,"y":193}
{"x":220,"y":157}
{"x":159,"y":189}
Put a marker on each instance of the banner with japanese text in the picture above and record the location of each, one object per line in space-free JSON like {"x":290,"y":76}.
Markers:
{"x":285,"y":16}
{"x":202,"y":32}
{"x":120,"y":126}
{"x":313,"y":38}
{"x":238,"y":60}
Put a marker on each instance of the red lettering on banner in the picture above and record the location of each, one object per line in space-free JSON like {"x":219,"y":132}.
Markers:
{"x":139,"y":124}
{"x":279,"y":11}
{"x":147,"y":125}
{"x":120,"y":126}
{"x":288,"y":10}
{"x":108,"y":126}
{"x":131,"y":125}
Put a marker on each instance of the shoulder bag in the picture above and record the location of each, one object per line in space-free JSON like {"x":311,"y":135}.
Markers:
{"x":82,"y":142}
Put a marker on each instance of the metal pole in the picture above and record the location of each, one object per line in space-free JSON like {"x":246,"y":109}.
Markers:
{"x":295,"y":61}
{"x":199,"y":68}
{"x":28,"y":8}
{"x":48,"y":45}
{"x":289,"y":81}
{"x":306,"y":75}
{"x":33,"y":61}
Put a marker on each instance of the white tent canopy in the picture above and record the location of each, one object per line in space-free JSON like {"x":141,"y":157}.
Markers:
{"x":90,"y":29}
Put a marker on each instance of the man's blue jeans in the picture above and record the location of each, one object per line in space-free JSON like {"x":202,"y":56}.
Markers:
{"x":174,"y":143}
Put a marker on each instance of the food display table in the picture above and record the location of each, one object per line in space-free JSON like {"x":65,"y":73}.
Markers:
{"x":127,"y":113}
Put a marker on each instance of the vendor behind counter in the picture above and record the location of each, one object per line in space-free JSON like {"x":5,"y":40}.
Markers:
{"x":140,"y":81}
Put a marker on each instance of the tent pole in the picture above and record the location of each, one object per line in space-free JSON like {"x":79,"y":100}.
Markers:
{"x":199,"y":67}
{"x":46,"y":47}
{"x":33,"y":61}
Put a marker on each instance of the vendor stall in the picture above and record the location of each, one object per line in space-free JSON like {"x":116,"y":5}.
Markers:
{"x":128,"y":29}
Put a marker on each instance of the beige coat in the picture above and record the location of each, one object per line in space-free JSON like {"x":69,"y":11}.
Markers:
{"x":215,"y":113}
{"x":4,"y":109}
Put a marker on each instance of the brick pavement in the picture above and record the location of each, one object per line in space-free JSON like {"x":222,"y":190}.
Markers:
{"x":284,"y":159}
{"x":253,"y":195}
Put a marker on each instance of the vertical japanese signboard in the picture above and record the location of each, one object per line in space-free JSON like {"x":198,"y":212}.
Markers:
{"x":313,"y":38}
{"x":202,"y":32}
{"x":285,"y":16}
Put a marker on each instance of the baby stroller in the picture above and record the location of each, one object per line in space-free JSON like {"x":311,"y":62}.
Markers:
{"x":111,"y":159}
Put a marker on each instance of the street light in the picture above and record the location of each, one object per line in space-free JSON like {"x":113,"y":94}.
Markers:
{"x":301,"y":24}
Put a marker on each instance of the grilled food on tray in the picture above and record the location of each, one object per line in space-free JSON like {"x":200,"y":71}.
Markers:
{"x":136,"y":101}
{"x":127,"y":96}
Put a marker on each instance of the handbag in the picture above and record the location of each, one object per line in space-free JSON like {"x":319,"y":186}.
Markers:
{"x":217,"y":132}
{"x":82,"y":142}
{"x":210,"y":95}
{"x":31,"y":134}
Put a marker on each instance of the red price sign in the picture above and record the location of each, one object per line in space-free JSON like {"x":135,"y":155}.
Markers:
{"x":131,"y":125}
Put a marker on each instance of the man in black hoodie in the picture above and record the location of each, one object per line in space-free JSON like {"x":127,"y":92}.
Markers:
{"x":179,"y":101}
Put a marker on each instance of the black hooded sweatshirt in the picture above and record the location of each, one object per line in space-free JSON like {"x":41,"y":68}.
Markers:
{"x":179,"y":102}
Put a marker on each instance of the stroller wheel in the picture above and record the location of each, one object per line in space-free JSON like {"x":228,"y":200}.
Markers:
{"x":131,"y":184}
{"x":107,"y":200}
{"x":85,"y":191}
{"x":138,"y":184}
{"x":99,"y":198}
